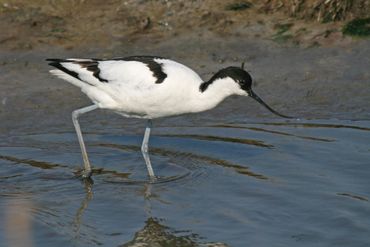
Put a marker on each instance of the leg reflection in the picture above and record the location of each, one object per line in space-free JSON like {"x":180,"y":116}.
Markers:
{"x":88,"y":183}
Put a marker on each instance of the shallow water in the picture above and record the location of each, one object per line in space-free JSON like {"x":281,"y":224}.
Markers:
{"x":232,"y":176}
{"x":271,"y":183}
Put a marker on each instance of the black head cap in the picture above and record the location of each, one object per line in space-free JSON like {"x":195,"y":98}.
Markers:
{"x":239,"y":75}
{"x":244,"y":79}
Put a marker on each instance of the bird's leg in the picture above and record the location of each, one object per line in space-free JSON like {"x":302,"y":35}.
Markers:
{"x":75,"y":114}
{"x":145,"y":149}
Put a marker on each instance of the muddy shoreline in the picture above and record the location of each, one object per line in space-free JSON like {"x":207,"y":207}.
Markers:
{"x":74,"y":24}
{"x":302,"y":68}
{"x":312,"y":83}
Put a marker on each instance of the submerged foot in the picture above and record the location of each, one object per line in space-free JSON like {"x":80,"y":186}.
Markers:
{"x":154,"y":179}
{"x":84,"y":174}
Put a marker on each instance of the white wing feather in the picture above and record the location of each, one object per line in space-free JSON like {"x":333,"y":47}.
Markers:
{"x":130,"y":88}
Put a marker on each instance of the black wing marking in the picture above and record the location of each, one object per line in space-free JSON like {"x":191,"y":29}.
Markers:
{"x":93,"y":67}
{"x":55,"y":62}
{"x":90,"y":65}
{"x":154,"y":66}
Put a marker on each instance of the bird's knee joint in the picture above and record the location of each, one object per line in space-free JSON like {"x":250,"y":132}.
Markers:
{"x":75,"y":115}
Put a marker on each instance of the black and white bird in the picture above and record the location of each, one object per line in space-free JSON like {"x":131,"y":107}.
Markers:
{"x":148,"y":87}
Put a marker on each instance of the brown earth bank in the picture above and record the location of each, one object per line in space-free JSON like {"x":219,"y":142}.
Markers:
{"x":76,"y":23}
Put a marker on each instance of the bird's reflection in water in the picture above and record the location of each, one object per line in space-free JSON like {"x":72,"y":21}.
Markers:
{"x":88,"y":183}
{"x":154,"y":233}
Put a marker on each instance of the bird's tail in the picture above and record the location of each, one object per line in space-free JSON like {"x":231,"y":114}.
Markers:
{"x":74,"y":71}
{"x":67,"y":77}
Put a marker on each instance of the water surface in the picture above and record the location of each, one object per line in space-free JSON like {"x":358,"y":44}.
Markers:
{"x":232,"y":176}
{"x":269,"y":183}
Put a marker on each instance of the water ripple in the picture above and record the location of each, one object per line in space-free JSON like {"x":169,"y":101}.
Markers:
{"x":273,"y":132}
{"x":222,"y":139}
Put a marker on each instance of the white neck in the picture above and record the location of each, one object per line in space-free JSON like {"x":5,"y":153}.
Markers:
{"x":216,"y":92}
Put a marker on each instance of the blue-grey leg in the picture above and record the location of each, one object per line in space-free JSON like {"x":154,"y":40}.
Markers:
{"x":75,"y":114}
{"x":145,"y":149}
